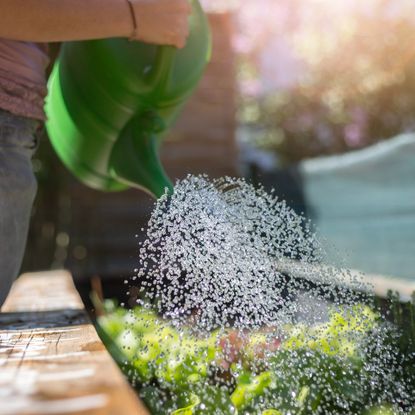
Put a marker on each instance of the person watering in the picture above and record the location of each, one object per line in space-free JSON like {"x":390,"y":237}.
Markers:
{"x":26,"y":26}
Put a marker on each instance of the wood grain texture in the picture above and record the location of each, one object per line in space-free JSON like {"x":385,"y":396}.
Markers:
{"x":51,"y":358}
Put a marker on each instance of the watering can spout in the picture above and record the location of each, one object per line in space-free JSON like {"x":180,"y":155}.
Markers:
{"x":135,"y":161}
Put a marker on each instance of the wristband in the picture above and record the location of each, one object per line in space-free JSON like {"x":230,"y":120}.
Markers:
{"x":133,"y":35}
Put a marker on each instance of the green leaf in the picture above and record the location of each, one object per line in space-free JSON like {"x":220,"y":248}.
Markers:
{"x":188,"y":410}
{"x":245,"y":392}
{"x":381,"y":410}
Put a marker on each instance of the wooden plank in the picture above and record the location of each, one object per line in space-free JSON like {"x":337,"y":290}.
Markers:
{"x":51,"y":358}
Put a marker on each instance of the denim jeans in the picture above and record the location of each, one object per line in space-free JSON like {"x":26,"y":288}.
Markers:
{"x":18,"y":186}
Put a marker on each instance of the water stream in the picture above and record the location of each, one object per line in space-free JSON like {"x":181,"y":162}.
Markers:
{"x":240,"y":312}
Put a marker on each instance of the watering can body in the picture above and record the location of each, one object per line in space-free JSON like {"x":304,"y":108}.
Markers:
{"x":110,"y":101}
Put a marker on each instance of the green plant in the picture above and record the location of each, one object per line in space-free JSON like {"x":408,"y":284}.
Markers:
{"x":325,"y":368}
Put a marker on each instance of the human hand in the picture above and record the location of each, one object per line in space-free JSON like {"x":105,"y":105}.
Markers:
{"x":163,"y":22}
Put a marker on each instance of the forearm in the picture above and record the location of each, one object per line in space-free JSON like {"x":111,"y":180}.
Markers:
{"x":62,"y":20}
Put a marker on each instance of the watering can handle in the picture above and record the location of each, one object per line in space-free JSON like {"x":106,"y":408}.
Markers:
{"x":163,"y":64}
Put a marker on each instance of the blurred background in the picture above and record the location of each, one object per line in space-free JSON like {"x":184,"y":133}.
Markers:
{"x":315,"y":98}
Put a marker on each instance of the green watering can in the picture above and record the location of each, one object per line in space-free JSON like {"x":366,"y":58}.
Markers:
{"x":110,"y":101}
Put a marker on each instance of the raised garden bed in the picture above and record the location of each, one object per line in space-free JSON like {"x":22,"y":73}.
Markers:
{"x":52,"y":360}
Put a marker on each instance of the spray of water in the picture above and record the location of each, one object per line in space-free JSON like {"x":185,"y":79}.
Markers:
{"x":240,"y":313}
